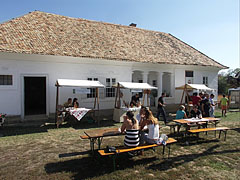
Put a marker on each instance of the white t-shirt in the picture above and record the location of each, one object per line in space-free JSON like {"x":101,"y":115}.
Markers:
{"x":153,"y":131}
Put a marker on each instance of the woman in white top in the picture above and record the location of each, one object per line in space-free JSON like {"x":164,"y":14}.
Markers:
{"x":153,"y":128}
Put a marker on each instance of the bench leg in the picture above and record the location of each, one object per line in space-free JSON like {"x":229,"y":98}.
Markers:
{"x":114,"y":162}
{"x":225,"y":135}
{"x":220,"y":134}
{"x":163,"y":150}
{"x":169,"y":149}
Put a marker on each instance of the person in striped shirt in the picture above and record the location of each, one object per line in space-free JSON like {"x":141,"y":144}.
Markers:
{"x":131,"y":128}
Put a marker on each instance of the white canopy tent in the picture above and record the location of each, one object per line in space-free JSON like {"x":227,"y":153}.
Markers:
{"x":191,"y":87}
{"x":81,"y":84}
{"x":202,"y":87}
{"x":134,"y":86}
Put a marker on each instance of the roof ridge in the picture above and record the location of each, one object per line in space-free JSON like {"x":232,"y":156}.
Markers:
{"x":95,"y":21}
{"x":198,"y":51}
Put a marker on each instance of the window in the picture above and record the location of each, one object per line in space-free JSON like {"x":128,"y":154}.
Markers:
{"x":154,"y":83}
{"x":92,"y":90}
{"x":205,"y":80}
{"x":110,"y":91}
{"x":188,"y":73}
{"x":6,"y":80}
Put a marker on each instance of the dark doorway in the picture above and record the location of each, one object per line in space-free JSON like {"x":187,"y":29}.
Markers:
{"x":34,"y":95}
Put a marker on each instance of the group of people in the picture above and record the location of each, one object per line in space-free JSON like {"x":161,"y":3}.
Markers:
{"x":71,"y":103}
{"x":203,"y":106}
{"x":134,"y":128}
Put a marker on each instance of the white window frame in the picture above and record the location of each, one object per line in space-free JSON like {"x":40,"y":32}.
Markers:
{"x":110,"y":91}
{"x":92,"y":90}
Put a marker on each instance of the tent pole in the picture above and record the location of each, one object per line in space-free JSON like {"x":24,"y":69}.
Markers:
{"x":95,"y":98}
{"x":56,"y":113}
{"x":183,"y":93}
{"x":116,"y":95}
{"x":147,"y":100}
{"x":97,"y":106}
{"x":143,"y":97}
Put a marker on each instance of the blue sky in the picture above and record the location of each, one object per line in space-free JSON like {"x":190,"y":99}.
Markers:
{"x":211,"y":26}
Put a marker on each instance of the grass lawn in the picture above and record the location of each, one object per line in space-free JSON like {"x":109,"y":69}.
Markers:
{"x":44,"y":152}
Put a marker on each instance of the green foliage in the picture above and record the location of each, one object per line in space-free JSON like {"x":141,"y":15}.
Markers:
{"x":228,"y":80}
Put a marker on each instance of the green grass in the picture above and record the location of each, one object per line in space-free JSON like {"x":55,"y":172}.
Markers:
{"x":44,"y":152}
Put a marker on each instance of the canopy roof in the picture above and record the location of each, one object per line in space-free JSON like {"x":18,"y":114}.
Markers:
{"x":195,"y":87}
{"x":234,"y":89}
{"x":132,"y":85}
{"x":79,"y":83}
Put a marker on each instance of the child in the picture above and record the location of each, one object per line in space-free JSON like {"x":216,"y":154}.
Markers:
{"x":224,"y":104}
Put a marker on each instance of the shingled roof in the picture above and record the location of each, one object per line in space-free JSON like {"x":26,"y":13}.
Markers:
{"x":50,"y":34}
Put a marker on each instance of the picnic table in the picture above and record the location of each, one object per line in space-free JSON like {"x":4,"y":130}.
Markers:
{"x":97,"y":135}
{"x":196,"y":121}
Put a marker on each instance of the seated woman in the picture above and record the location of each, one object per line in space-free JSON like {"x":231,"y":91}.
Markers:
{"x":181,"y":114}
{"x":196,"y":113}
{"x":130,"y":124}
{"x":75,"y":103}
{"x":153,"y":128}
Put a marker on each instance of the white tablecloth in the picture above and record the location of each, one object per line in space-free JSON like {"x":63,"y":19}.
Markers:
{"x":78,"y":113}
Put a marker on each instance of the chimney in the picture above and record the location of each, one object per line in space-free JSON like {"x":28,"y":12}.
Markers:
{"x":133,"y":25}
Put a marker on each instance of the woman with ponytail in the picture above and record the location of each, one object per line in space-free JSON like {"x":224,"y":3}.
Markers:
{"x":153,"y":128}
{"x":130,"y":124}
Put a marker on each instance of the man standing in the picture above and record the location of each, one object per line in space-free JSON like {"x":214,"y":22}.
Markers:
{"x":161,"y":109}
{"x":135,"y":99}
{"x":206,"y":106}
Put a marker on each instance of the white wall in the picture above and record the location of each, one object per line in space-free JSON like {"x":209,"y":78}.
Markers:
{"x":56,"y":67}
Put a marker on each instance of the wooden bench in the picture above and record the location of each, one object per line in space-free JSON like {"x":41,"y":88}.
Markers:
{"x":84,"y":137}
{"x":220,"y":129}
{"x":123,"y":149}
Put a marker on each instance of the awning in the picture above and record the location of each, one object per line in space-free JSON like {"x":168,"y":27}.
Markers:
{"x":234,"y":89}
{"x":79,"y":83}
{"x":132,"y":85}
{"x":194,"y":87}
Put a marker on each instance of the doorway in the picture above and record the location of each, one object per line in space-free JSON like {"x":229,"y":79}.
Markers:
{"x":34,"y":95}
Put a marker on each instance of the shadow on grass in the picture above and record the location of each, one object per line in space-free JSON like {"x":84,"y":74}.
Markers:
{"x":37,"y":127}
{"x":88,"y":167}
{"x":73,"y":154}
{"x":180,"y":160}
{"x":24,"y":129}
{"x":236,"y":129}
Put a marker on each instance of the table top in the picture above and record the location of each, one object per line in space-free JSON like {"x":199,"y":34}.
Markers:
{"x":195,"y":120}
{"x":102,"y":132}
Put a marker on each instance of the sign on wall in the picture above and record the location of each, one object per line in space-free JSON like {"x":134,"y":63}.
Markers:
{"x":81,"y":91}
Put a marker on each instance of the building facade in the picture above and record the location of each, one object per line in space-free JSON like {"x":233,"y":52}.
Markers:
{"x":33,"y":58}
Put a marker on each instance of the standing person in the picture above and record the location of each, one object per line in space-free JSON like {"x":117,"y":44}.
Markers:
{"x":135,"y":99}
{"x":153,"y":128}
{"x":130,"y":124}
{"x":212,"y":105}
{"x":224,"y":105}
{"x":161,"y":109}
{"x":205,"y":106}
{"x":196,"y":99}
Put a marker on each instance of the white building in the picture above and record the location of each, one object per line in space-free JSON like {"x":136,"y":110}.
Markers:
{"x":39,"y":48}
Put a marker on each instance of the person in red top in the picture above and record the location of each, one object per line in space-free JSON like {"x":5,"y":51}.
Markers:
{"x":196,"y":99}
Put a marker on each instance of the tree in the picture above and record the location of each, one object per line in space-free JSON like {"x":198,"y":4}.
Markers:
{"x":231,"y":79}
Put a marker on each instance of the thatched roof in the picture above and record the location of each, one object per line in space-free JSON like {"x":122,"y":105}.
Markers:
{"x":50,"y":34}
